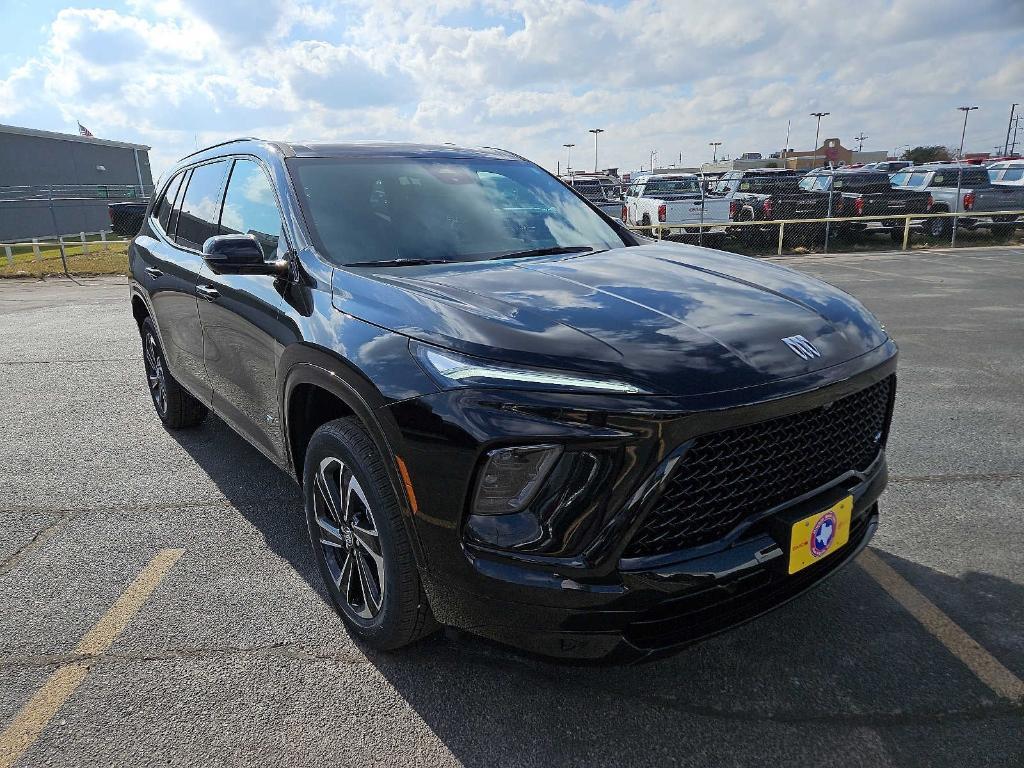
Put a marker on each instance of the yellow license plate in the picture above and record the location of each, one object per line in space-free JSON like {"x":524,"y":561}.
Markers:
{"x":819,"y":535}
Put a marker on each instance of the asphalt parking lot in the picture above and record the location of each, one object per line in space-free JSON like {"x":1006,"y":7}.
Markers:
{"x":225,"y":650}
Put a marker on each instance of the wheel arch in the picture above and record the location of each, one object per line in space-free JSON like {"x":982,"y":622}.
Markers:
{"x":320,"y":388}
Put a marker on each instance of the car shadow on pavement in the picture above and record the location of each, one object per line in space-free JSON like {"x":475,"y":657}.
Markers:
{"x":843,"y":675}
{"x":262,"y":492}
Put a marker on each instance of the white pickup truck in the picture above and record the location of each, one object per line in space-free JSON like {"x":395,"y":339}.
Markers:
{"x":672,"y":199}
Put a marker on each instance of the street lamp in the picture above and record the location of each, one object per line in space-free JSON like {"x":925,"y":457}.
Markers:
{"x":595,"y":131}
{"x":568,"y":158}
{"x":714,"y":145}
{"x":817,"y":132}
{"x":960,"y":171}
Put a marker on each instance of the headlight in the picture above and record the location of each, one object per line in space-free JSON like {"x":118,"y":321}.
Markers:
{"x":451,"y":369}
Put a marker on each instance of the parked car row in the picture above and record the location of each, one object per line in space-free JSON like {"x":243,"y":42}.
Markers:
{"x":877,"y":195}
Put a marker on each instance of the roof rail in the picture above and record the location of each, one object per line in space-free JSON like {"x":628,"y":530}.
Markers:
{"x":221,"y":144}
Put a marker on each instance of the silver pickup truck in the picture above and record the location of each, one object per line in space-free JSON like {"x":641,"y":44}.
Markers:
{"x":978,"y":196}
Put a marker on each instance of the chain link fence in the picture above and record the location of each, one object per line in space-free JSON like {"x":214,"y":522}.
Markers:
{"x":54,"y":229}
{"x":771,"y":211}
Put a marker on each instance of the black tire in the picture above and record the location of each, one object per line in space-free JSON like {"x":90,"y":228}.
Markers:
{"x":896,"y":235}
{"x":175,"y":405}
{"x":749,"y":236}
{"x":939,"y":228}
{"x":645,"y":221}
{"x":381,"y":600}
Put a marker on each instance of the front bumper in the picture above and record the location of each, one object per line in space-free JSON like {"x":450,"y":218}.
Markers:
{"x":565,"y":588}
{"x":653,"y":613}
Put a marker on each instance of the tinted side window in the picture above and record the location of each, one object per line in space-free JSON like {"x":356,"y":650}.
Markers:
{"x":200,"y":212}
{"x":163,"y":212}
{"x":250,"y":207}
{"x":1013,"y":174}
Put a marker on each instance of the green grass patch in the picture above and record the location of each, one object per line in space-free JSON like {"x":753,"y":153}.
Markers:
{"x":94,"y":258}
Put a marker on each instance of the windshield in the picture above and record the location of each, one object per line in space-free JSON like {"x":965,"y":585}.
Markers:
{"x":670,"y":187}
{"x":817,"y":181}
{"x":465,"y":209}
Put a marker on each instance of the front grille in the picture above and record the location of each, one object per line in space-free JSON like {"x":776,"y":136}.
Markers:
{"x":727,"y":477}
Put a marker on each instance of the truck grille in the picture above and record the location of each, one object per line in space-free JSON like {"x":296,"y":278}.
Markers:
{"x":727,"y":477}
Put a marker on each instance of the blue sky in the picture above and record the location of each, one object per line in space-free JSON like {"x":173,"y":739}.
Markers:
{"x":528,"y":75}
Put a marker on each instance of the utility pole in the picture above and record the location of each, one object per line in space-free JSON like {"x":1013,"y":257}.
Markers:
{"x":653,"y":153}
{"x":1013,"y":142}
{"x":817,"y":132}
{"x":960,"y":171}
{"x":860,"y":138}
{"x":596,"y":131}
{"x":1013,"y":107}
{"x":568,"y":159}
{"x":715,"y":145}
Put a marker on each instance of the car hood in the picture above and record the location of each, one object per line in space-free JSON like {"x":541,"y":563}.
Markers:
{"x":674,"y":319}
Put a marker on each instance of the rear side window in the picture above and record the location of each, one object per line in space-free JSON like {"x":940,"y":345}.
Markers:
{"x":1013,"y":174}
{"x":250,"y":207}
{"x":968,"y":177}
{"x":163,"y":213}
{"x":200,"y":211}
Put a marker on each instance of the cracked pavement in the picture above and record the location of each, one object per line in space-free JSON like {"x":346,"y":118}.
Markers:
{"x":236,"y":657}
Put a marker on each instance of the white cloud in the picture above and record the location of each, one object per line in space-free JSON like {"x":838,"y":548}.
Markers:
{"x":529,"y":75}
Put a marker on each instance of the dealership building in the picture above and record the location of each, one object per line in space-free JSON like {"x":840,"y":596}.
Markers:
{"x":60,"y":183}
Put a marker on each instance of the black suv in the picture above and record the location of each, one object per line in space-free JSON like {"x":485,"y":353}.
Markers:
{"x":508,"y":413}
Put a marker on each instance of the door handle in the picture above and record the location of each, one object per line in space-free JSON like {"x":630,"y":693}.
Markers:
{"x":154,"y":272}
{"x":208,"y":292}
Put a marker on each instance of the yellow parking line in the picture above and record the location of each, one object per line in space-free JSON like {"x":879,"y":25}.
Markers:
{"x":30,"y":720}
{"x":959,"y":643}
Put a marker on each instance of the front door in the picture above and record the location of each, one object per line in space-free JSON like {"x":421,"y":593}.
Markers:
{"x":243,"y":316}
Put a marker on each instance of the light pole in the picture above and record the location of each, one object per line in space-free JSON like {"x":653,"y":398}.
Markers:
{"x":860,"y":141}
{"x":568,"y":158}
{"x":595,"y":131}
{"x":714,"y":145}
{"x":817,"y":132}
{"x":1009,"y":125}
{"x":960,"y":171}
{"x":654,"y":154}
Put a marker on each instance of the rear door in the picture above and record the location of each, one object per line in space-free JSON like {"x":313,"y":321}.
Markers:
{"x":244,"y":315}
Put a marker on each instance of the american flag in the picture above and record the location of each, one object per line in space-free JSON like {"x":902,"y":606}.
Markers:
{"x":85,"y":131}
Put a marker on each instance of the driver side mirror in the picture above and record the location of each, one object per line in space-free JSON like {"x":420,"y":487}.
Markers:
{"x":240,"y":255}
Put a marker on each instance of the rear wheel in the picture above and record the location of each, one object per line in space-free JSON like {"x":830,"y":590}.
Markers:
{"x":175,"y":406}
{"x":359,"y":539}
{"x":939,"y":228}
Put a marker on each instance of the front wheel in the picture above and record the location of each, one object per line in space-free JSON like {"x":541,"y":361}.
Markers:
{"x":359,"y":539}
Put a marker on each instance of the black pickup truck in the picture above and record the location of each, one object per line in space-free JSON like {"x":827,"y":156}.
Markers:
{"x":770,"y":194}
{"x":867,"y":194}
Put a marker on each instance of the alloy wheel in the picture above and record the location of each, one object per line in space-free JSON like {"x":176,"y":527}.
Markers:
{"x":156,"y":374}
{"x":349,"y":539}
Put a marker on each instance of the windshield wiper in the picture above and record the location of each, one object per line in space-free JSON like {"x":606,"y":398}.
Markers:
{"x":553,"y":251}
{"x":398,"y":262}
